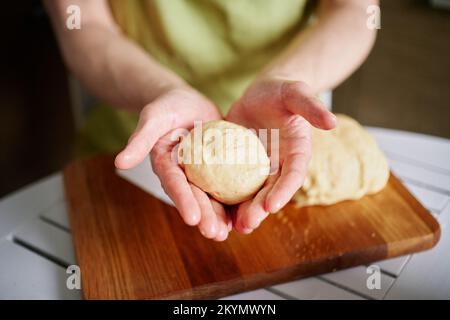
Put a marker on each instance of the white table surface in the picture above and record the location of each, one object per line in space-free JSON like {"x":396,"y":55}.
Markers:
{"x":36,"y":243}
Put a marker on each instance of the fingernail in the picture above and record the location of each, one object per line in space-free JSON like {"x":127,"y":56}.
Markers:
{"x":275,"y":208}
{"x":255,"y":223}
{"x":212,"y":229}
{"x":221,"y":234}
{"x":225,"y":237}
{"x":210,"y":234}
{"x":126,"y":156}
{"x":193,"y":219}
{"x":247,"y":231}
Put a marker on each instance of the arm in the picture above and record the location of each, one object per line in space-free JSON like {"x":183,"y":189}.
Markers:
{"x":116,"y":70}
{"x":112,"y":67}
{"x":331,"y":49}
{"x":284,"y":97}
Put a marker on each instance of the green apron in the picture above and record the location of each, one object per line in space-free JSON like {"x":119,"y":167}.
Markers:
{"x":217,"y":46}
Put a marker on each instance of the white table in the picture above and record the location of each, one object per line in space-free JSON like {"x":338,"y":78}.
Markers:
{"x":36,"y":244}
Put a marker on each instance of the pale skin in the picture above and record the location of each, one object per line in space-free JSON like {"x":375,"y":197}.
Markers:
{"x":283,"y":96}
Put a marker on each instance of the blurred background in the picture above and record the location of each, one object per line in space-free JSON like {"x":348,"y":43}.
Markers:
{"x":404,"y":84}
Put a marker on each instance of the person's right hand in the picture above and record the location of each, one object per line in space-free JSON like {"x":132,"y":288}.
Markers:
{"x":177,"y":108}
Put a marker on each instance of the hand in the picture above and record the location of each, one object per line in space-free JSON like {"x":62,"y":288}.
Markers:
{"x":291,"y":107}
{"x":177,"y":108}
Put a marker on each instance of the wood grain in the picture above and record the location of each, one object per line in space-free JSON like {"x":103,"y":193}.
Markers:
{"x":130,"y":245}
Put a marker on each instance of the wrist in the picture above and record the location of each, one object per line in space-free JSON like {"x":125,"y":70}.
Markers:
{"x":283,"y":77}
{"x":161,"y":89}
{"x":276,"y":75}
{"x":185,"y":95}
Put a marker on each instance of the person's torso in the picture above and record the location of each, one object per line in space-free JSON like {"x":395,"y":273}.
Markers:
{"x":217,"y":46}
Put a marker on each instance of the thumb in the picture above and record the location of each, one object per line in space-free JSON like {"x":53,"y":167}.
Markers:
{"x":177,"y":110}
{"x":153,"y":123}
{"x":299,"y":98}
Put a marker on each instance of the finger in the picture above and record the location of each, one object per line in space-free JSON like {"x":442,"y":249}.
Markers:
{"x":177,"y":109}
{"x":291,"y":179}
{"x":153,"y":124}
{"x":251,"y":214}
{"x":208,"y":225}
{"x":241,"y":210}
{"x":224,"y":222}
{"x":175,"y":184}
{"x":300,"y":99}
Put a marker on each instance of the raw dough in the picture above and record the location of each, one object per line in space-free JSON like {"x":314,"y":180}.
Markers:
{"x":346,"y":164}
{"x":232,"y":163}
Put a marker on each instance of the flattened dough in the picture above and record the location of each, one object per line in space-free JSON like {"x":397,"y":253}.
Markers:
{"x":346,"y":164}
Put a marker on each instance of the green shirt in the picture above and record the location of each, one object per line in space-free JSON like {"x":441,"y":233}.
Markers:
{"x":217,"y":46}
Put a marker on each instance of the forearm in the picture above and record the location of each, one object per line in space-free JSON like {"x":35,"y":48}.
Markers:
{"x":110,"y":66}
{"x":328,"y":51}
{"x":116,"y":70}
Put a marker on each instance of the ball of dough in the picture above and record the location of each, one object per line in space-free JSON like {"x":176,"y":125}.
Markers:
{"x":346,"y":164}
{"x":225,"y":160}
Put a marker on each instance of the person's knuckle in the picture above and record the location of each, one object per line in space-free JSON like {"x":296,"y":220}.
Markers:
{"x":295,"y":88}
{"x":296,"y":126}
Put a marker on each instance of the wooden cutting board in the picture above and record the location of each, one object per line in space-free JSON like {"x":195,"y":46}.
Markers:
{"x":129,"y":245}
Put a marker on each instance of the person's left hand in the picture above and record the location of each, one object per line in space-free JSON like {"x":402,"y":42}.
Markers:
{"x":291,"y":107}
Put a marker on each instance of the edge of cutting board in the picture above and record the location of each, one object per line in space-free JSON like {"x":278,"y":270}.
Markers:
{"x":249,"y":281}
